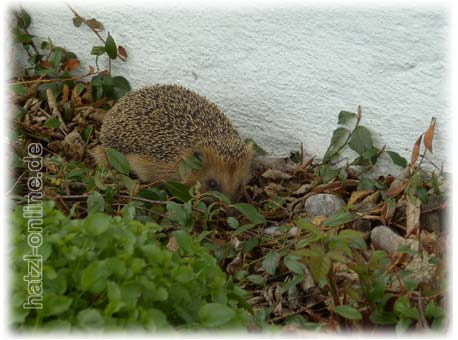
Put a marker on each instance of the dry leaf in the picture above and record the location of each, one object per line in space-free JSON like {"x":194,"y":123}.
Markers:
{"x":71,"y":64}
{"x":172,"y":245}
{"x":122,"y":52}
{"x":45,"y":64}
{"x":235,"y":265}
{"x":396,"y":187}
{"x":412,"y":216}
{"x":429,"y":135}
{"x":275,"y":174}
{"x":416,"y":150}
{"x":65,"y":94}
{"x":357,"y":196}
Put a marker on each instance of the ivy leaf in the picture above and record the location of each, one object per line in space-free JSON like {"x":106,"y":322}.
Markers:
{"x":360,"y":140}
{"x":349,"y":312}
{"x":118,"y":161}
{"x":110,"y":47}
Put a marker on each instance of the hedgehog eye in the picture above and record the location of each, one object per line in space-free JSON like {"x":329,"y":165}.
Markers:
{"x":198,"y":155}
{"x":212,"y":184}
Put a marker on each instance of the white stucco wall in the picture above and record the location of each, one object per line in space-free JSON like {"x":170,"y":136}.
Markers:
{"x":283,"y":72}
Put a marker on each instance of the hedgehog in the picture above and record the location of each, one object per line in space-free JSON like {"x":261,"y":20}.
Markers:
{"x":158,"y":126}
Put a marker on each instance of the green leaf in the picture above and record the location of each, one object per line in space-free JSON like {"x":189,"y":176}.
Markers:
{"x":94,"y":277}
{"x":320,"y":267}
{"x":354,"y":238}
{"x":397,"y":159}
{"x":98,"y":50}
{"x":52,"y":123}
{"x":55,"y":304}
{"x":250,"y":212}
{"x":402,"y":325}
{"x":20,"y":89}
{"x":271,"y":261}
{"x":345,"y":116}
{"x":215,"y":314}
{"x":292,"y":263}
{"x":97,"y":223}
{"x":327,"y":173}
{"x":349,"y":312}
{"x":179,"y":191}
{"x":250,"y":244}
{"x":178,"y":213}
{"x":383,"y":318}
{"x":243,"y":228}
{"x":184,"y":241}
{"x":256,"y":279}
{"x":423,"y":195}
{"x":90,"y":318}
{"x":118,"y":161}
{"x":77,"y":21}
{"x":360,"y":140}
{"x":24,"y":38}
{"x":110,"y":47}
{"x":95,"y":203}
{"x":403,"y":309}
{"x":24,"y":19}
{"x":338,"y":218}
{"x":56,"y":57}
{"x":232,"y":222}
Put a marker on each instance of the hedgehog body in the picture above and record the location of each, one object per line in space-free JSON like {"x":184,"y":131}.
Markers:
{"x":158,"y":126}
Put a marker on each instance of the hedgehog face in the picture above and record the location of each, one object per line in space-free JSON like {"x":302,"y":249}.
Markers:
{"x":228,"y":176}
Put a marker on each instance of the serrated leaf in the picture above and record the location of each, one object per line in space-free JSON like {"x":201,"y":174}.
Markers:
{"x":110,"y":47}
{"x":292,"y":263}
{"x":349,"y":312}
{"x":397,"y":159}
{"x":118,"y":161}
{"x":361,"y":140}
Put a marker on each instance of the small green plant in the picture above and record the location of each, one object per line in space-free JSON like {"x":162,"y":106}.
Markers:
{"x":108,"y":272}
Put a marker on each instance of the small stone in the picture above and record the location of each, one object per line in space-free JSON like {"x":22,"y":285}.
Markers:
{"x":386,"y":239}
{"x":272,"y":231}
{"x":323,"y":204}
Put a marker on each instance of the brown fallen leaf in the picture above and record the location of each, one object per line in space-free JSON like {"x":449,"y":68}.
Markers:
{"x":65,"y":94}
{"x":416,"y":150}
{"x":413,"y":211}
{"x":71,"y":64}
{"x":357,"y":196}
{"x":275,"y":174}
{"x":429,"y":135}
{"x":396,"y":187}
{"x":172,"y":245}
{"x":122,"y":52}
